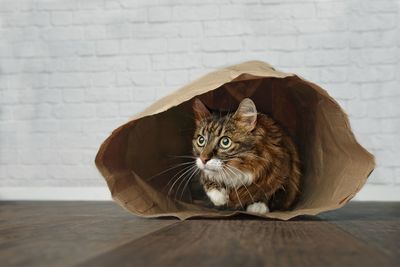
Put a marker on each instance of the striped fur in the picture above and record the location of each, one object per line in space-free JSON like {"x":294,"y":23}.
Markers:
{"x":261,"y":164}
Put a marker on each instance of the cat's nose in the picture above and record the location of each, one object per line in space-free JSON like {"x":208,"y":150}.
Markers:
{"x":204,"y":159}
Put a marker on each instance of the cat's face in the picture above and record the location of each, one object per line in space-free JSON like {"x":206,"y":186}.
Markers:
{"x":223,"y":144}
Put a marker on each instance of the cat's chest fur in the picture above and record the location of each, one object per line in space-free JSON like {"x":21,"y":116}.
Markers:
{"x":230,"y":179}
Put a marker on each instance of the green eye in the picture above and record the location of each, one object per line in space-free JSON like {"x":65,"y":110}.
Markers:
{"x":225,"y":142}
{"x":201,"y":141}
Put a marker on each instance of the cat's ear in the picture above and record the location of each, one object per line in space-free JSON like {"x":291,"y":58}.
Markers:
{"x":200,"y":110}
{"x":246,"y":114}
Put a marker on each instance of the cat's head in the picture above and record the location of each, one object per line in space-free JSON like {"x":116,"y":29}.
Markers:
{"x":223,"y":145}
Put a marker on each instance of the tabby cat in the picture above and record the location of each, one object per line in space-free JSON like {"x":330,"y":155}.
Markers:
{"x":246,"y":160}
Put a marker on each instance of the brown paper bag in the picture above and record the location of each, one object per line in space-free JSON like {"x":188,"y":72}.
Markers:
{"x":136,"y":157}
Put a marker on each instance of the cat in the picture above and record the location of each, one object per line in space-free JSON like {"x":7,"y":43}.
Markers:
{"x":246,"y":160}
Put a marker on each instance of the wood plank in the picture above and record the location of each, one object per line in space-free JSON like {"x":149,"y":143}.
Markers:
{"x":245,"y":242}
{"x":65,"y":233}
{"x":375,"y":223}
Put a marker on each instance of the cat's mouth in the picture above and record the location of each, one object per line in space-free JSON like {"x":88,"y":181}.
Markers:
{"x":212,"y":166}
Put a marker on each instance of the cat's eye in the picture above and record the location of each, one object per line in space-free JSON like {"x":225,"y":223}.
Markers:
{"x":225,"y":142}
{"x":201,"y":141}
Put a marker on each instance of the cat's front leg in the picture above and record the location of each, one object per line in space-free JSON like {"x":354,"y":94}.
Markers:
{"x":218,"y":195}
{"x":258,"y":207}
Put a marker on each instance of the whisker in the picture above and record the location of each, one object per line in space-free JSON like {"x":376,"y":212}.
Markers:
{"x":266,"y":196}
{"x":188,"y":181}
{"x":241,"y":204}
{"x":251,"y":196}
{"x":169,"y":169}
{"x":182,"y":175}
{"x":189,"y":174}
{"x":176,"y":174}
{"x":182,"y":156}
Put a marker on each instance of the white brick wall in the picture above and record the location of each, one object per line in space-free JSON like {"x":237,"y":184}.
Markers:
{"x":73,"y":70}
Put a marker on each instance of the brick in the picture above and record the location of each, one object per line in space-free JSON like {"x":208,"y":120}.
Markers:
{"x":70,"y":111}
{"x":8,"y":156}
{"x":225,"y":28}
{"x":94,"y":32}
{"x":112,"y":4}
{"x":65,"y":64}
{"x":30,"y":96}
{"x":386,"y":38}
{"x":6,"y":50}
{"x":319,"y":41}
{"x":64,"y":48}
{"x":291,"y":59}
{"x":273,"y":27}
{"x":62,"y":34}
{"x":358,"y":109}
{"x":380,"y":89}
{"x":179,"y":45}
{"x":175,"y":61}
{"x":107,"y":110}
{"x":28,"y":49}
{"x":331,"y":9}
{"x":221,"y":44}
{"x":190,"y":29}
{"x":90,"y":5}
{"x":188,"y":13}
{"x":176,"y":78}
{"x":232,"y":11}
{"x":374,"y":55}
{"x":326,"y":57}
{"x":387,"y":158}
{"x":146,"y":78}
{"x":312,"y":25}
{"x":390,"y":125}
{"x":103,"y":79}
{"x":363,"y":125}
{"x":93,"y":64}
{"x":107,"y":48}
{"x":381,"y":6}
{"x":61,"y":18}
{"x":11,"y":66}
{"x":6,"y":113}
{"x":143,"y":94}
{"x":214,"y":60}
{"x":159,"y":14}
{"x":10,"y":96}
{"x":138,"y":63}
{"x":383,"y":108}
{"x":143,"y":46}
{"x":49,"y":5}
{"x":135,"y":4}
{"x":367,"y":22}
{"x":62,"y":80}
{"x":154,"y":30}
{"x":382,"y":175}
{"x":40,"y":19}
{"x":119,"y":31}
{"x":368,"y":74}
{"x":284,"y":11}
{"x":73,"y":95}
{"x":105,"y":94}
{"x":334,"y":74}
{"x":26,"y":112}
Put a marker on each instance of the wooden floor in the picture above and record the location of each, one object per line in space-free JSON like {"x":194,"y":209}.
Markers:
{"x":102,"y":234}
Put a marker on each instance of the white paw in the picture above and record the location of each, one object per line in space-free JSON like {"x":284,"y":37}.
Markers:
{"x":257,"y":207}
{"x":218,"y":197}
